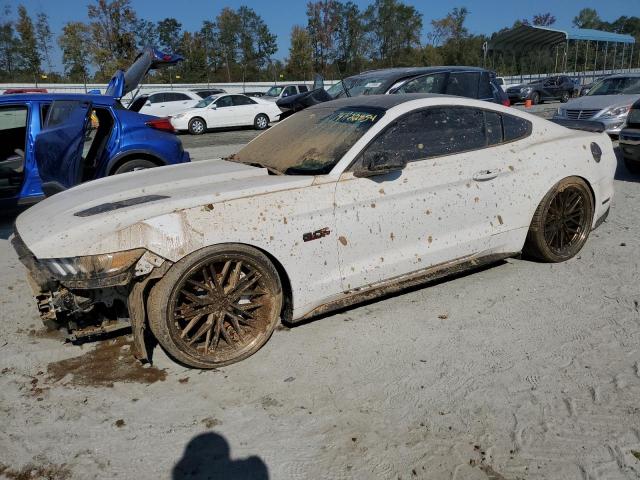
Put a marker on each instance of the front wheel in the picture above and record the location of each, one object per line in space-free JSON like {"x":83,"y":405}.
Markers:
{"x":197,"y":126}
{"x":216,"y":306}
{"x":562,"y":222}
{"x":565,"y":97}
{"x":535,"y":98}
{"x":261,"y":122}
{"x":134,"y":165}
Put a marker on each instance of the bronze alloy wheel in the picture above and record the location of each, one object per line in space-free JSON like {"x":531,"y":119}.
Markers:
{"x":218,"y":308}
{"x":562,"y":222}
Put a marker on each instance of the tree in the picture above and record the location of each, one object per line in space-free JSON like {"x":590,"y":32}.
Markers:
{"x":28,"y":51}
{"x":451,"y":34}
{"x":256,"y":43}
{"x":300,"y":61}
{"x":587,"y":18}
{"x":113,"y":25}
{"x":351,"y":46}
{"x":169,"y":34}
{"x":74,"y":43}
{"x":8,"y":45}
{"x":322,"y":24}
{"x":394,"y":30}
{"x":228,"y":24}
{"x":147,"y":34}
{"x":44,"y":36}
{"x":544,"y":19}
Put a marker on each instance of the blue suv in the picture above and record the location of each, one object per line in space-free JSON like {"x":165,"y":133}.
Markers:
{"x":50,"y":142}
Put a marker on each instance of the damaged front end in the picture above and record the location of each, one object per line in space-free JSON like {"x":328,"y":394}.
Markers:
{"x":93,"y":295}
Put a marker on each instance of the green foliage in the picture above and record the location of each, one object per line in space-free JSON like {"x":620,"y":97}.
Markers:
{"x":29,"y":54}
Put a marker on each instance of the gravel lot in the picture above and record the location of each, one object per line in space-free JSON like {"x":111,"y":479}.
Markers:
{"x":521,"y":370}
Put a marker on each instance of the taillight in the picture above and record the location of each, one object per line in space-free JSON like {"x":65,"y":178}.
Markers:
{"x":163,"y":124}
{"x":506,"y":102}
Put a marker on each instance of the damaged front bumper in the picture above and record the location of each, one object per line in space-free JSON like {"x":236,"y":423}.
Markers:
{"x":90,"y":304}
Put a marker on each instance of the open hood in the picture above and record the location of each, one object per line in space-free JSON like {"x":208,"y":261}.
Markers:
{"x":294,"y":103}
{"x":149,"y":59}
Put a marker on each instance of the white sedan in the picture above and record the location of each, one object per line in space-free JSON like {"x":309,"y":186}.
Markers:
{"x":218,"y":111}
{"x":340,"y":203}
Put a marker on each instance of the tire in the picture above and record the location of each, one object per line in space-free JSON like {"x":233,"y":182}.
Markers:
{"x":261,"y":121}
{"x":633,"y":167}
{"x":231,"y":327}
{"x":134,"y":165}
{"x":562,"y":222}
{"x":535,"y":98}
{"x":197,"y":126}
{"x":565,"y":97}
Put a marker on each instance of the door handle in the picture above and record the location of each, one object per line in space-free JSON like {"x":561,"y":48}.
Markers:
{"x":484,"y":175}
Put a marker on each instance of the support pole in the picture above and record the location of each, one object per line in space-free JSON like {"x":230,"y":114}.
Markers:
{"x":631,"y":58}
{"x":575,"y":63}
{"x":604,"y":65}
{"x":595,"y":61}
{"x":555,"y":68}
{"x":624,"y":47}
{"x":586,"y":59}
{"x":615,"y":53}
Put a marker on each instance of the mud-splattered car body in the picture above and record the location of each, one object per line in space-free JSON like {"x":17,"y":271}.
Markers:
{"x":335,"y":237}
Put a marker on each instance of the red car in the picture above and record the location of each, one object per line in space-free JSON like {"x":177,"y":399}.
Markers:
{"x":24,"y":90}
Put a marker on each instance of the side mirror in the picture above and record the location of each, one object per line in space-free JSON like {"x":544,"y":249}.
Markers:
{"x":379,"y":163}
{"x":148,"y":104}
{"x":213,"y":106}
{"x":285,"y":94}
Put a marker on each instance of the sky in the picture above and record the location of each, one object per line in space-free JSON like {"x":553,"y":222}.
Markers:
{"x":486,"y":16}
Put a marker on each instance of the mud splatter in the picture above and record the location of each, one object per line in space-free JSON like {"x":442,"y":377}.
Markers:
{"x":211,"y":422}
{"x":500,"y":219}
{"x":110,"y":362}
{"x":342,"y":240}
{"x":29,"y":471}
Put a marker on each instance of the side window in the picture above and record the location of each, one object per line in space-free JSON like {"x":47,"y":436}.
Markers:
{"x":425,"y":84}
{"x":302,"y":88}
{"x":515,"y":128}
{"x":493,"y":125}
{"x":431,"y":133}
{"x":224,"y":102}
{"x":290,"y":90}
{"x":44,"y":110}
{"x":242,"y":100}
{"x":484,"y":90}
{"x":175,"y":97}
{"x":463,"y":84}
{"x":156,"y":98}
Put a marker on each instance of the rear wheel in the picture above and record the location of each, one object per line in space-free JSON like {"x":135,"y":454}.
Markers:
{"x":134,"y":165}
{"x":261,"y":122}
{"x":217,"y":306}
{"x":197,"y":126}
{"x":535,"y":98}
{"x":562,"y":222}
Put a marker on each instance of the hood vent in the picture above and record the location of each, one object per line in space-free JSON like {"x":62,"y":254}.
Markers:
{"x":109,"y":207}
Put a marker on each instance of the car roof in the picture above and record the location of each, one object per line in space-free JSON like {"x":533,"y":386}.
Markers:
{"x":50,"y":97}
{"x":409,"y":71}
{"x":384,"y":102}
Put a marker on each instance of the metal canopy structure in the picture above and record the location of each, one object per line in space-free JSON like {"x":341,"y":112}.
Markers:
{"x":531,"y":36}
{"x":526,"y":38}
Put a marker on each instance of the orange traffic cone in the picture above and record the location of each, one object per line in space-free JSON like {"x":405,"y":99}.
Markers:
{"x":527,"y":104}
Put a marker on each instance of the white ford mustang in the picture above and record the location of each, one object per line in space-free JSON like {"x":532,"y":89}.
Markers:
{"x":339,"y":203}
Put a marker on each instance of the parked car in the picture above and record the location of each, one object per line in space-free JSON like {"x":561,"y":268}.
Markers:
{"x":608,"y":101}
{"x":342,"y":202}
{"x":226,"y":110}
{"x":207,"y":92}
{"x":51,"y":141}
{"x":559,"y":87}
{"x":281,"y":91}
{"x":164,"y":103}
{"x":630,"y":139}
{"x":471,"y":82}
{"x":14,"y":91}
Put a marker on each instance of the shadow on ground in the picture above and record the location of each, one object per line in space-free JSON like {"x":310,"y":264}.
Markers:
{"x":622,"y":172}
{"x":207,"y":456}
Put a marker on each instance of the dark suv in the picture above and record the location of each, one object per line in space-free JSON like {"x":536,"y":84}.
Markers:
{"x":558,"y":87}
{"x":471,"y":82}
{"x":630,"y":139}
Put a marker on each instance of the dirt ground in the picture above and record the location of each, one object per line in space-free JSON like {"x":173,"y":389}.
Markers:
{"x":520,"y":371}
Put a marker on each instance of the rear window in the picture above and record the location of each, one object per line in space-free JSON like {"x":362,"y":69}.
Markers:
{"x":61,"y":112}
{"x":463,"y":84}
{"x":515,"y":128}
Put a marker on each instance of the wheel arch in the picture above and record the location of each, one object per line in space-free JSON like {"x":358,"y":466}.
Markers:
{"x":132,"y":155}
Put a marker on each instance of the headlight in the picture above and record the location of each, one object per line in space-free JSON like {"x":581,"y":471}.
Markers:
{"x":616,"y":112}
{"x":94,"y":270}
{"x":559,"y":112}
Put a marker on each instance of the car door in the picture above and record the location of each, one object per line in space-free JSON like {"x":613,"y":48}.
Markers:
{"x":220,"y":113}
{"x":550,"y":88}
{"x":153,"y":104}
{"x":440,"y":208}
{"x":431,"y":83}
{"x":244,"y":109}
{"x":463,"y":84}
{"x":58,"y":147}
{"x":175,"y":102}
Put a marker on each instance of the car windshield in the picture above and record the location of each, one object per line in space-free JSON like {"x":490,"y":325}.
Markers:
{"x":206,"y":101}
{"x":616,"y":86}
{"x":359,"y":85}
{"x":310,"y":143}
{"x":273,"y":92}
